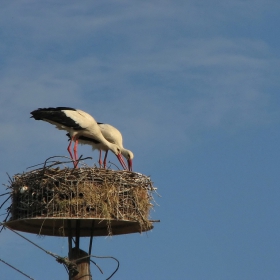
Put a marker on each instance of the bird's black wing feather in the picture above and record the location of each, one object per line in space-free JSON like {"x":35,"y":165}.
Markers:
{"x":84,"y":138}
{"x":56,"y":115}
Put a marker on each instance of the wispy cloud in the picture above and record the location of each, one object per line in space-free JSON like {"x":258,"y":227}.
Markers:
{"x":160,"y":76}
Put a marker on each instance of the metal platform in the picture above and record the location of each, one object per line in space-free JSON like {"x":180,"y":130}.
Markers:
{"x":87,"y":226}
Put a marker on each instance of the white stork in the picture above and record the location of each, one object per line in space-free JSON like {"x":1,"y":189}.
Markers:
{"x":78,"y":123}
{"x":112,"y":135}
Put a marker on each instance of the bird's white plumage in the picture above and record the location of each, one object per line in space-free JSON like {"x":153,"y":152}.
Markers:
{"x":114,"y":136}
{"x":88,"y":124}
{"x":78,"y":123}
{"x":80,"y":117}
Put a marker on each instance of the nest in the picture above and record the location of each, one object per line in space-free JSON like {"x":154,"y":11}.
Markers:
{"x":82,"y":193}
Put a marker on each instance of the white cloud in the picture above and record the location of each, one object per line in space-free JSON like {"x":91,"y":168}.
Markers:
{"x":155,"y":73}
{"x":208,"y":84}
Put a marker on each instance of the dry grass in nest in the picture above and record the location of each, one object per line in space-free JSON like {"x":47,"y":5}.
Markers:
{"x":82,"y":193}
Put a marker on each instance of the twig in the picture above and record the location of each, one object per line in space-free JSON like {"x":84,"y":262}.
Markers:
{"x":11,"y":180}
{"x":5,"y":193}
{"x":5,"y":201}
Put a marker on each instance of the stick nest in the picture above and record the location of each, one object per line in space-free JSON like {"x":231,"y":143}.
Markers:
{"x":82,"y":193}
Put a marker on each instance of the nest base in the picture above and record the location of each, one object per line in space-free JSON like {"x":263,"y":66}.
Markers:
{"x":87,"y":227}
{"x":99,"y":201}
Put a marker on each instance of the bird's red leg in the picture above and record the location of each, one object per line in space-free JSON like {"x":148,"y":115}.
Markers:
{"x":105,"y":159}
{"x":69,"y":148}
{"x":100,"y":160}
{"x":75,"y":149}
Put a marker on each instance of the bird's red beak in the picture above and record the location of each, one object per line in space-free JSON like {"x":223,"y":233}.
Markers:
{"x":119,"y":156}
{"x":129,"y":162}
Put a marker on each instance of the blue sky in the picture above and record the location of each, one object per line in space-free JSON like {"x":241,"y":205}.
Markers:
{"x":193,"y":86}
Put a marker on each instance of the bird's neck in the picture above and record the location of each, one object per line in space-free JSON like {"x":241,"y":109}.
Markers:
{"x":111,"y":146}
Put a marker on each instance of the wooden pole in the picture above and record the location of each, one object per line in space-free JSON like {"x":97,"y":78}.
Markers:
{"x":77,"y":256}
{"x":69,"y":243}
{"x":83,"y":265}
